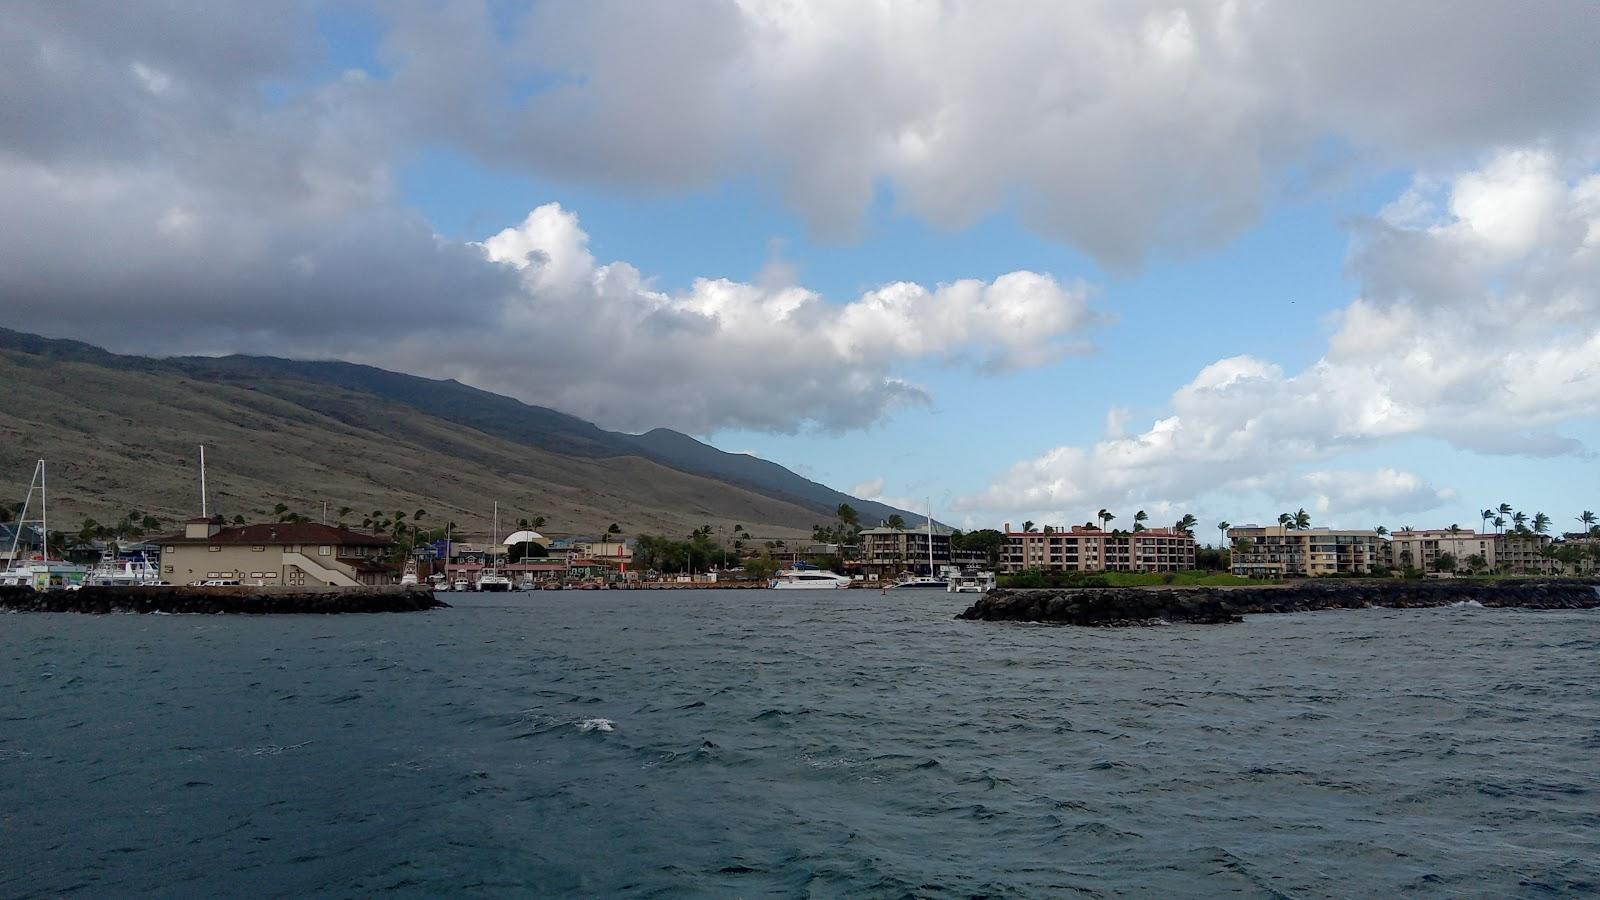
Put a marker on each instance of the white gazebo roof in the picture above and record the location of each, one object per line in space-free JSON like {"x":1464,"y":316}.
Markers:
{"x":523,"y":537}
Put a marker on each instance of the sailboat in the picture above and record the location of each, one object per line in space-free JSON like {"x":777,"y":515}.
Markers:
{"x":929,"y":580}
{"x":40,"y":573}
{"x":491,"y":579}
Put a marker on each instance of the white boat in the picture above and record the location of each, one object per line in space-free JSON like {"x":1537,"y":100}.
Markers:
{"x":930,"y":580}
{"x":972,"y":583}
{"x":493,"y":581}
{"x":922,"y":581}
{"x":490,"y":579}
{"x":41,"y":572}
{"x":809,"y":580}
{"x":461,"y":584}
{"x":409,"y":577}
{"x":124,"y":573}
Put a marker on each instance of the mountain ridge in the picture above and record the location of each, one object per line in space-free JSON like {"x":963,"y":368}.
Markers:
{"x":599,"y":470}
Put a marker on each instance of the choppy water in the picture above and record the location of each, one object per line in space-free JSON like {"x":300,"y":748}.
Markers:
{"x":760,"y":743}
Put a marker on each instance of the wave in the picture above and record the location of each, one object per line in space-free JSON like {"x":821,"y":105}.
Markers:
{"x":597,"y":725}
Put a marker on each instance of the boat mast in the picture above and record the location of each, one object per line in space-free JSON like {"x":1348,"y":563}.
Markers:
{"x":44,"y":517}
{"x":22,"y":517}
{"x":494,"y":546}
{"x":930,"y":537}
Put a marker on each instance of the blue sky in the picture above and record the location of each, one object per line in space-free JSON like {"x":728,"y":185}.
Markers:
{"x":1180,"y":256}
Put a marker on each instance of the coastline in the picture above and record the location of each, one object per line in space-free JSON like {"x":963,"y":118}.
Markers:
{"x":237,"y":600}
{"x":1120,"y":607}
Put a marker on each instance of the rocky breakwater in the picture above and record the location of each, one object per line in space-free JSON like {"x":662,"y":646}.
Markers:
{"x":1220,"y":605}
{"x":256,"y":601}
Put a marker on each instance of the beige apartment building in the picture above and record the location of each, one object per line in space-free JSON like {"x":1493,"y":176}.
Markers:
{"x":1421,"y":549}
{"x":1273,"y":551}
{"x":294,"y":554}
{"x":1513,"y":553}
{"x":1084,"y":549}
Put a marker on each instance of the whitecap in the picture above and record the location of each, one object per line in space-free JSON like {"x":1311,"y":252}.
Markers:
{"x":1468,"y":603}
{"x":597,"y":725}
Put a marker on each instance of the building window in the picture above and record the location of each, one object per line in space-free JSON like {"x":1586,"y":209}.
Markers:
{"x":258,"y":549}
{"x":214,"y":548}
{"x":169,"y":570}
{"x":324,"y":551}
{"x":167,"y":549}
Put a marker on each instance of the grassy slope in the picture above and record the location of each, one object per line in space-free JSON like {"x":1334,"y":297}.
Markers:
{"x":125,"y":438}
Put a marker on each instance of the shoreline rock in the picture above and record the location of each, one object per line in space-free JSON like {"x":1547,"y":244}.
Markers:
{"x":1121,"y":607}
{"x":237,"y":600}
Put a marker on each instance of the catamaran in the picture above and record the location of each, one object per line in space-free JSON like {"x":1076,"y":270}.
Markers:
{"x":808,"y":578}
{"x":491,"y":579}
{"x":929,"y":580}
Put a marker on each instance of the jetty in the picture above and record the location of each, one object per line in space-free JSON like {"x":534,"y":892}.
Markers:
{"x":242,"y":600}
{"x":1222,"y":605}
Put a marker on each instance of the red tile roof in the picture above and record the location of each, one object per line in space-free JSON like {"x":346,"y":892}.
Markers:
{"x":284,"y":533}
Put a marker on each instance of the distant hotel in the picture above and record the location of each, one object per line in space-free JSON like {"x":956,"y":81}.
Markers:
{"x":1084,"y":549}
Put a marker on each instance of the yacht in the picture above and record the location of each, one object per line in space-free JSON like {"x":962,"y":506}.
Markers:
{"x":40,"y":572}
{"x":491,"y":580}
{"x":136,"y":572}
{"x":809,"y":579}
{"x":461,"y":584}
{"x":972,"y":583}
{"x":929,"y":580}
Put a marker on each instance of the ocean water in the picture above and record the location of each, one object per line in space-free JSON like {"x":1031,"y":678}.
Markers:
{"x":732,"y":743}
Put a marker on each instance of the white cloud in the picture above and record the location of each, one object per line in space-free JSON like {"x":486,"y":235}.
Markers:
{"x":1478,"y":325}
{"x":1120,"y":127}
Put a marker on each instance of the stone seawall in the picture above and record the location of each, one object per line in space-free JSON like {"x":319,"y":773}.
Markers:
{"x":1217,"y":605}
{"x":258,"y":601}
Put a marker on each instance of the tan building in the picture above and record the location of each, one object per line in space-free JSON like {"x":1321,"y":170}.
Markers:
{"x":1421,"y":549}
{"x":1273,"y":551}
{"x":1084,"y":549}
{"x":1513,"y":553}
{"x":296,"y":554}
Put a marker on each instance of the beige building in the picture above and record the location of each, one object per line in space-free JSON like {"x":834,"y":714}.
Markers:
{"x":1514,"y":553}
{"x":292,"y":554}
{"x":1421,"y":549}
{"x":1084,"y":549}
{"x":1272,"y":551}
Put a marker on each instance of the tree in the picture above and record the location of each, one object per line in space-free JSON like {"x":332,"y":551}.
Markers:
{"x":1139,"y":518}
{"x":1222,"y":532}
{"x":1028,"y":525}
{"x":1486,"y":515}
{"x":612,"y":531}
{"x":1444,"y":562}
{"x":1302,"y":520}
{"x":343,"y":511}
{"x":1454,"y":529}
{"x":1286,"y":521}
{"x":1380,"y":531}
{"x":1104,"y":516}
{"x":1499,"y":524}
{"x":845,"y":513}
{"x":1519,"y":520}
{"x":1476,"y":563}
{"x":895,"y":521}
{"x":238,"y":520}
{"x":1586,"y":519}
{"x":1186,"y":524}
{"x":1541,"y":523}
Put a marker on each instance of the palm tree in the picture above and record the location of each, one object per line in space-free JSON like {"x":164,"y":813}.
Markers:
{"x":898,"y":522}
{"x":1028,"y":525}
{"x":1285,"y":520}
{"x":1139,"y":519}
{"x":1454,"y":529}
{"x":1105,"y":516}
{"x":1519,"y":521}
{"x":1186,"y":524}
{"x":1541,"y":523}
{"x":1499,"y":524}
{"x":1222,"y":533}
{"x":1302,"y":520}
{"x":1380,"y":531}
{"x":1587,"y":520}
{"x":1486,"y":515}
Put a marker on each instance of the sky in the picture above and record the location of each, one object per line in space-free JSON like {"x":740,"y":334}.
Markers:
{"x":1011,"y":260}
